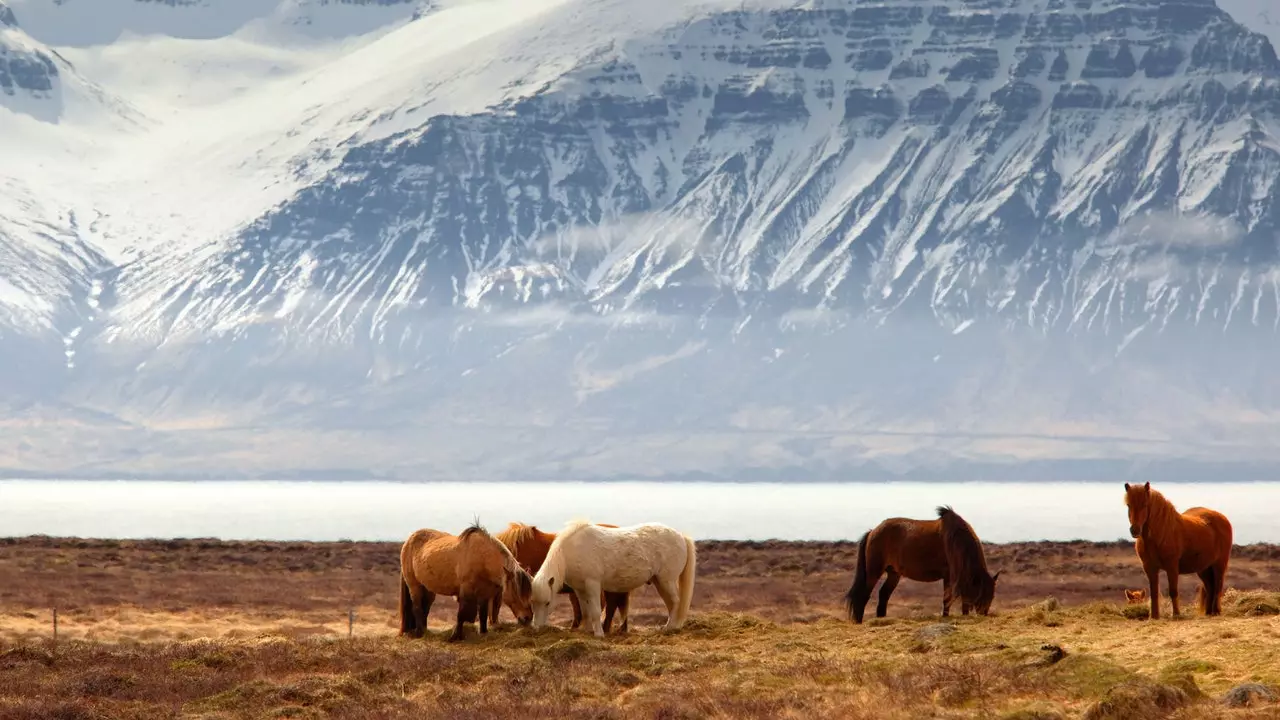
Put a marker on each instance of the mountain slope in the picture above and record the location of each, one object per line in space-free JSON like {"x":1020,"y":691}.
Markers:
{"x":771,"y":237}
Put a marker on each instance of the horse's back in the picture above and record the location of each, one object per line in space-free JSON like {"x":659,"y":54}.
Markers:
{"x":911,"y":547}
{"x":625,"y":557}
{"x":1207,"y":532}
{"x":428,"y":557}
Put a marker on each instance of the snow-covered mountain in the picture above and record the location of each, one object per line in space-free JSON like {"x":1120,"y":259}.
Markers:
{"x":610,"y":238}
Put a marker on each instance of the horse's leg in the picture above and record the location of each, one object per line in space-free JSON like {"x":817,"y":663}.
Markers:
{"x":577,"y":609}
{"x":610,"y":606}
{"x":1220,"y":584}
{"x":1207,"y":589}
{"x":1153,"y":579}
{"x":669,"y":591}
{"x":1172,"y":573}
{"x":467,"y":607}
{"x":495,"y":608}
{"x":421,"y":598}
{"x":948,"y":596}
{"x":624,"y":605}
{"x":589,"y":599}
{"x":891,"y":579}
{"x":484,"y":618}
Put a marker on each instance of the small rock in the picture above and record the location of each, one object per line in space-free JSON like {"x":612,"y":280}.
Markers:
{"x":1054,"y":653}
{"x":935,"y":631}
{"x":1248,"y":695}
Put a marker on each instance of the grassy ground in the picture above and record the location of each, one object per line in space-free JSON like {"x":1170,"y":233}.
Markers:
{"x":259,"y":630}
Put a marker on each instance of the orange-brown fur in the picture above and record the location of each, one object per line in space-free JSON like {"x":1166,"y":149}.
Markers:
{"x":1135,"y":597}
{"x":1196,"y":541}
{"x":530,"y":546}
{"x":473,"y":567}
{"x":945,"y":549}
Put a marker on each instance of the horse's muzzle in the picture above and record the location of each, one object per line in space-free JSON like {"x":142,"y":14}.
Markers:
{"x":1135,"y":531}
{"x":526,"y":621}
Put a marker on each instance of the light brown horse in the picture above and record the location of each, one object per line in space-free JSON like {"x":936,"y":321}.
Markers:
{"x":473,"y":567}
{"x":1196,"y":541}
{"x":530,"y":546}
{"x":945,"y":549}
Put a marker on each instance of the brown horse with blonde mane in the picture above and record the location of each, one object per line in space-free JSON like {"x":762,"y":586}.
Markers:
{"x":1196,"y":541}
{"x":473,"y":567}
{"x":945,"y":549}
{"x":530,"y":546}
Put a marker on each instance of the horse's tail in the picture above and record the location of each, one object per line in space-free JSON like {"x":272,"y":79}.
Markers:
{"x":686,"y":581}
{"x":408,"y":624}
{"x":855,"y":599}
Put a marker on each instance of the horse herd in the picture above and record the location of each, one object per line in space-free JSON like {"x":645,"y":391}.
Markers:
{"x":599,"y":565}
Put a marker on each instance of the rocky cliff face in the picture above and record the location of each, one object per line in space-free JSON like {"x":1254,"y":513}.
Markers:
{"x":907,"y":233}
{"x":1033,"y":161}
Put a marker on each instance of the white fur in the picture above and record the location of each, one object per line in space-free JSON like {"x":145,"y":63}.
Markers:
{"x":590,"y":558}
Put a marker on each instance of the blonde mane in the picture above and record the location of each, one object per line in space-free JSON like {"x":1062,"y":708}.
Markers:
{"x":553,"y":566}
{"x":1163,"y":518}
{"x":517,"y":534}
{"x":572,"y":527}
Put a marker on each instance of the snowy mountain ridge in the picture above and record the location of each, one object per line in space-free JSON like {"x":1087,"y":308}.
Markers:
{"x":317,"y":212}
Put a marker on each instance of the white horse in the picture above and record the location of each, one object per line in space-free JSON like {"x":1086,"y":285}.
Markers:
{"x":590,"y":558}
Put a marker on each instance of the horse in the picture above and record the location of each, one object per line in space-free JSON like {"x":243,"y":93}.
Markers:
{"x":1196,"y":541}
{"x":530,"y":546}
{"x":473,"y":566}
{"x":590,"y":558}
{"x":945,"y":549}
{"x":1135,"y":597}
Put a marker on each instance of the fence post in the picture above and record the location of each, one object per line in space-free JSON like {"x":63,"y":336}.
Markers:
{"x":351,"y":621}
{"x":55,"y":627}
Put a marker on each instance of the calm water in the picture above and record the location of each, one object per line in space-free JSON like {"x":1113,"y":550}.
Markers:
{"x":390,"y":511}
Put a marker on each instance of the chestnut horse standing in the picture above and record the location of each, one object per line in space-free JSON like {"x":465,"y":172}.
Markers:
{"x":945,"y":549}
{"x":474,"y":567}
{"x":530,"y":546}
{"x":1196,"y":541}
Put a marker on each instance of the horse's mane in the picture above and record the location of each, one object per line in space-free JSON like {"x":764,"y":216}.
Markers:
{"x":474,"y":528}
{"x":572,"y":527}
{"x":553,"y":563}
{"x":517,"y":534}
{"x":1162,"y":516}
{"x":968,"y":564}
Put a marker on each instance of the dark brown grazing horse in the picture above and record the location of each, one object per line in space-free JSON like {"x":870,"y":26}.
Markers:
{"x":530,"y":546}
{"x":945,"y":549}
{"x":1196,"y":541}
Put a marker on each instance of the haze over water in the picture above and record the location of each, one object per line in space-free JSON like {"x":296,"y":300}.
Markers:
{"x":1000,"y":512}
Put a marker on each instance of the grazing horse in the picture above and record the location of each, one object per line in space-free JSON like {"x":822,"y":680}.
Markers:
{"x":590,"y":558}
{"x":1196,"y":541}
{"x":473,"y":566}
{"x":945,"y":549}
{"x":530,"y":546}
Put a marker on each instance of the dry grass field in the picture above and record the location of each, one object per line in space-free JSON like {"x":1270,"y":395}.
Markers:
{"x":209,"y":629}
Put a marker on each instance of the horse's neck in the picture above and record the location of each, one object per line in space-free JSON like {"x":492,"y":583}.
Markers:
{"x":553,"y":567}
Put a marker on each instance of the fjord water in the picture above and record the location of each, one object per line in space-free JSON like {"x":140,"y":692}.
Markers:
{"x":1000,"y":512}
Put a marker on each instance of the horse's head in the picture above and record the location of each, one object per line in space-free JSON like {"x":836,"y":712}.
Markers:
{"x":1138,"y":498}
{"x":544,"y":590}
{"x":986,"y":593}
{"x":1135,"y":597}
{"x":518,"y":594}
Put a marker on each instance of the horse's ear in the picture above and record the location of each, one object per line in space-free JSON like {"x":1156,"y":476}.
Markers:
{"x":1147,"y":487}
{"x":1126,"y":487}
